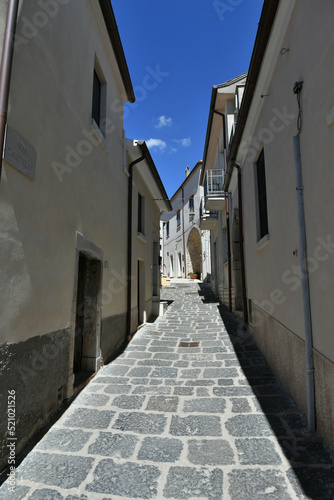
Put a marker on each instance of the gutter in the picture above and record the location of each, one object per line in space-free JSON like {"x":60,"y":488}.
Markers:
{"x":6,"y":68}
{"x":263,"y":33}
{"x":130,"y":203}
{"x":116,"y":43}
{"x":241,"y":238}
{"x":183,"y":237}
{"x":208,"y":131}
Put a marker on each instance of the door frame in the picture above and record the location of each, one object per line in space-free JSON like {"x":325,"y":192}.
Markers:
{"x":93,"y":362}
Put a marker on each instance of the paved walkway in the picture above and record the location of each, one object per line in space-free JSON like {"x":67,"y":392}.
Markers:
{"x":188,"y":411}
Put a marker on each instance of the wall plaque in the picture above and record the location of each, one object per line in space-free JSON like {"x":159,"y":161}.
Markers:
{"x":20,"y":154}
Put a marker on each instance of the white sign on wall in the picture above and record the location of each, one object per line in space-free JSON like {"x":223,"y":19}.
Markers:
{"x":20,"y":154}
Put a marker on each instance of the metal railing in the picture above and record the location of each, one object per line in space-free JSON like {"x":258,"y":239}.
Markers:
{"x":206,"y":213}
{"x":214,"y":182}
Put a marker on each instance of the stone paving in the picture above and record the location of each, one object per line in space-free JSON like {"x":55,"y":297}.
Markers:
{"x":190,"y":411}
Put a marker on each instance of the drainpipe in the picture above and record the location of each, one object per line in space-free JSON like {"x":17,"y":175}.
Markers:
{"x":305,"y":274}
{"x":229,"y":263}
{"x":229,"y":269}
{"x":229,"y":252}
{"x":241,"y":238}
{"x":6,"y":68}
{"x":129,"y":295}
{"x":184,"y":243}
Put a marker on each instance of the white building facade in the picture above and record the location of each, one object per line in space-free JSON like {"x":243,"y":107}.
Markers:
{"x":186,"y":247}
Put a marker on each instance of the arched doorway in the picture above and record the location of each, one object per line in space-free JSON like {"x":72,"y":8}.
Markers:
{"x":194,"y":247}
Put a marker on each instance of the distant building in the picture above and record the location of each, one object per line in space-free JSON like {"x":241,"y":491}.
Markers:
{"x":70,"y":186}
{"x":220,"y":210}
{"x":186,"y":248}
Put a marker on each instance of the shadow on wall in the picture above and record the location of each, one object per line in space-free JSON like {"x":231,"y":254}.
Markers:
{"x":312,"y":463}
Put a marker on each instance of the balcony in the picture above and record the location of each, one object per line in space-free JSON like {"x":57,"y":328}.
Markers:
{"x":214,"y":195}
{"x":208,"y":218}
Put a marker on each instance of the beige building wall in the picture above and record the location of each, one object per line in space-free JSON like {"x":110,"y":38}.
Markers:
{"x":64,"y":228}
{"x":146,"y":302}
{"x":273,"y":265}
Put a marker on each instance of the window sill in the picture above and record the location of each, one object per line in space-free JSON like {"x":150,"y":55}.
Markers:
{"x":263,"y":242}
{"x":99,"y":136}
{"x":142,"y":238}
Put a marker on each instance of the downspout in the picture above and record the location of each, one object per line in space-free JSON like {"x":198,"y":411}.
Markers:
{"x":184,"y":242}
{"x":229,"y":263}
{"x":241,"y":238}
{"x":6,"y":68}
{"x":129,"y":280}
{"x":305,"y":274}
{"x":229,"y":252}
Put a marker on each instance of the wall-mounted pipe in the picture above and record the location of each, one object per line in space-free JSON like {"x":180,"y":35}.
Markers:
{"x":241,"y":238}
{"x":229,"y":263}
{"x":183,"y":237}
{"x":129,"y":280}
{"x":306,"y":289}
{"x":6,"y":68}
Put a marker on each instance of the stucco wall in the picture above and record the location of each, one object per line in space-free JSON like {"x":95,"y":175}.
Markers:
{"x":79,"y":187}
{"x":52,"y":111}
{"x":273,"y":268}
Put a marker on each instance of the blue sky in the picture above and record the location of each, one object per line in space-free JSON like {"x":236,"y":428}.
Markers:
{"x":176,"y":50}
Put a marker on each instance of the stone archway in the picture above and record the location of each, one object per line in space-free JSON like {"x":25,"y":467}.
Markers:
{"x":194,"y":248}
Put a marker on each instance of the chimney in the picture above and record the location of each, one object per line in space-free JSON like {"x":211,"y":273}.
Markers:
{"x":187,"y":171}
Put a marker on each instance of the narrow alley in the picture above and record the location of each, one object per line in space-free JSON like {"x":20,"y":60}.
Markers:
{"x":190,"y":410}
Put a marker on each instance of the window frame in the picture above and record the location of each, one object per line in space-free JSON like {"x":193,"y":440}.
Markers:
{"x":178,"y":218}
{"x":99,"y":99}
{"x":141,"y":214}
{"x":262,"y":206}
{"x":191,"y":205}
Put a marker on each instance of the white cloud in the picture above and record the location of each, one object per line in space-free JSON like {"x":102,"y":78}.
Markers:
{"x":156,"y":143}
{"x":184,"y":142}
{"x":163,"y":122}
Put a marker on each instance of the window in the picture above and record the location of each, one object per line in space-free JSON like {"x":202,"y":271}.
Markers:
{"x":99,"y":101}
{"x":141,"y":214}
{"x":262,"y":197}
{"x":178,"y":218}
{"x":191,"y":205}
{"x":167,"y":230}
{"x":96,"y":107}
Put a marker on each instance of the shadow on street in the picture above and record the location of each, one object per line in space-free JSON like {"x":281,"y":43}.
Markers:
{"x":304,"y":450}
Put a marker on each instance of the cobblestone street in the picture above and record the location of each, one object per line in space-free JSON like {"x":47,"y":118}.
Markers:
{"x":190,"y":410}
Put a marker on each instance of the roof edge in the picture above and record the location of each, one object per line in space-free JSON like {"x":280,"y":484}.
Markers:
{"x":266,"y":23}
{"x":187,"y":178}
{"x":153,"y":169}
{"x":117,"y":46}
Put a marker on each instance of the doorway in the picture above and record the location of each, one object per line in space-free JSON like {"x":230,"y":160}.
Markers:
{"x":86,"y":340}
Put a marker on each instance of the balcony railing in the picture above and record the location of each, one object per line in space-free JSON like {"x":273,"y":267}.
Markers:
{"x":206,"y":213}
{"x":214,"y":183}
